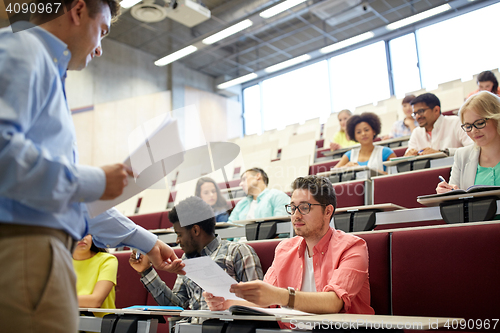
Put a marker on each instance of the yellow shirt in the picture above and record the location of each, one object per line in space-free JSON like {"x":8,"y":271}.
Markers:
{"x":341,"y":138}
{"x":101,"y":267}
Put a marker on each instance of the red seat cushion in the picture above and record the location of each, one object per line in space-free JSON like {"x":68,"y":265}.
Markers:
{"x":378,"y":270}
{"x":403,"y":189}
{"x":265,"y":251}
{"x":148,"y":221}
{"x":129,"y":288}
{"x":447,"y":272}
{"x":322,"y":167}
{"x":350,"y":193}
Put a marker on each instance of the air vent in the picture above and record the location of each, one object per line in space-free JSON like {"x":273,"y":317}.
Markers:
{"x":148,"y":11}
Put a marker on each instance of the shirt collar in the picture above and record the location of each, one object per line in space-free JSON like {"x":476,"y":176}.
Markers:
{"x":259,"y":197}
{"x":438,"y":122}
{"x":320,"y":247}
{"x":211,"y":247}
{"x":57,"y":49}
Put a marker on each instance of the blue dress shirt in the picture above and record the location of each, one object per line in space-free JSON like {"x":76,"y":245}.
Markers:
{"x":40,"y":181}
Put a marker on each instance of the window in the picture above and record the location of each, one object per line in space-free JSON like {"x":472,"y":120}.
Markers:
{"x":252,"y":115}
{"x":296,"y":96}
{"x":404,"y":62}
{"x":459,"y":47}
{"x":359,"y":77}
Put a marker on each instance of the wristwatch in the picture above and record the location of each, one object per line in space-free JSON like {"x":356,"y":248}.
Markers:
{"x":291,"y":297}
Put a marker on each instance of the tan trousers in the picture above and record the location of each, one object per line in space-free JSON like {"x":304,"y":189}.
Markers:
{"x":37,"y":281}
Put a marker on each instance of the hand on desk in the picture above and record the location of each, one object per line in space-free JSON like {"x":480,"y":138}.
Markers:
{"x":444,"y":187}
{"x":411,"y":152}
{"x":334,"y":146}
{"x":261,"y":293}
{"x":216,"y":303}
{"x":350,"y":164}
{"x":427,"y":151}
{"x":163,"y":257}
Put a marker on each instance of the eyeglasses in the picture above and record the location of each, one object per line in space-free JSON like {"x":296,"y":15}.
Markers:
{"x":419,"y":112}
{"x":480,"y":123}
{"x":304,"y":208}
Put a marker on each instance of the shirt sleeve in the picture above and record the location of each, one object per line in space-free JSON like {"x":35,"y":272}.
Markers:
{"x":112,"y":229}
{"x":29,"y":173}
{"x":108,"y":269}
{"x":246,"y":264}
{"x":162,"y":294}
{"x":348,"y":154}
{"x":386,"y":152}
{"x":351,"y":274}
{"x":279,"y":201}
{"x":412,"y":143}
{"x":235,"y":214}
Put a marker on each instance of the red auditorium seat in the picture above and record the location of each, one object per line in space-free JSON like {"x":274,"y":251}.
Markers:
{"x":322,"y":167}
{"x":265,"y":251}
{"x":400,"y":151}
{"x":350,"y":193}
{"x":165,"y":222}
{"x":451,"y":271}
{"x":404,"y":188}
{"x":129,"y":289}
{"x":148,"y":221}
{"x":378,"y":270}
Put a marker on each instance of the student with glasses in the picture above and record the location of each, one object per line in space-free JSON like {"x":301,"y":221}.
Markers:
{"x":321,"y":270}
{"x":477,"y":164}
{"x":435,"y":132}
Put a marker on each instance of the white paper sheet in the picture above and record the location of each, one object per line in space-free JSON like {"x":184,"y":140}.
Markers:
{"x":210,"y":276}
{"x":145,"y":162}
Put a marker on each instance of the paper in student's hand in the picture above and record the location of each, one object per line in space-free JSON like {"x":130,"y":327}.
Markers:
{"x":210,"y":276}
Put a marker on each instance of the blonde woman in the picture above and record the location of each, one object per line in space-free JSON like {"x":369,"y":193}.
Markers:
{"x":477,"y":164}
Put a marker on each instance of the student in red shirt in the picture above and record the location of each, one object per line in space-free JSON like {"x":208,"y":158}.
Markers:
{"x":321,"y":270}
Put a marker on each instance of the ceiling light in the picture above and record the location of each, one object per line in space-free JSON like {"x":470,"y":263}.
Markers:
{"x":129,"y":3}
{"x":347,"y":42}
{"x":287,"y":63}
{"x":280,"y":8}
{"x":227,"y":32}
{"x":418,"y":17}
{"x":176,"y":55}
{"x":236,"y":81}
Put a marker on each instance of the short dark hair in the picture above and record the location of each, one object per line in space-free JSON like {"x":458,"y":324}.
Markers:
{"x":94,"y":7}
{"x":369,"y":117}
{"x":221,"y":201}
{"x":194,"y":211}
{"x":94,"y":248}
{"x":408,"y":99}
{"x":429,"y":99}
{"x":488,"y":76}
{"x":320,"y":187}
{"x":262,"y":172}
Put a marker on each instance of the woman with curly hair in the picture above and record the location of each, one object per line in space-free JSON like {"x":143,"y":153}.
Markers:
{"x":364,"y":128}
{"x":207,"y":189}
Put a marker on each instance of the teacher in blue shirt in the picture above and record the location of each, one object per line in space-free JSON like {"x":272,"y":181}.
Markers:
{"x":43,"y":189}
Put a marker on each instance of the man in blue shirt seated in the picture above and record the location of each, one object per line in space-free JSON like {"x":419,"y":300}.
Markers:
{"x":260,"y":201}
{"x":194,"y":224}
